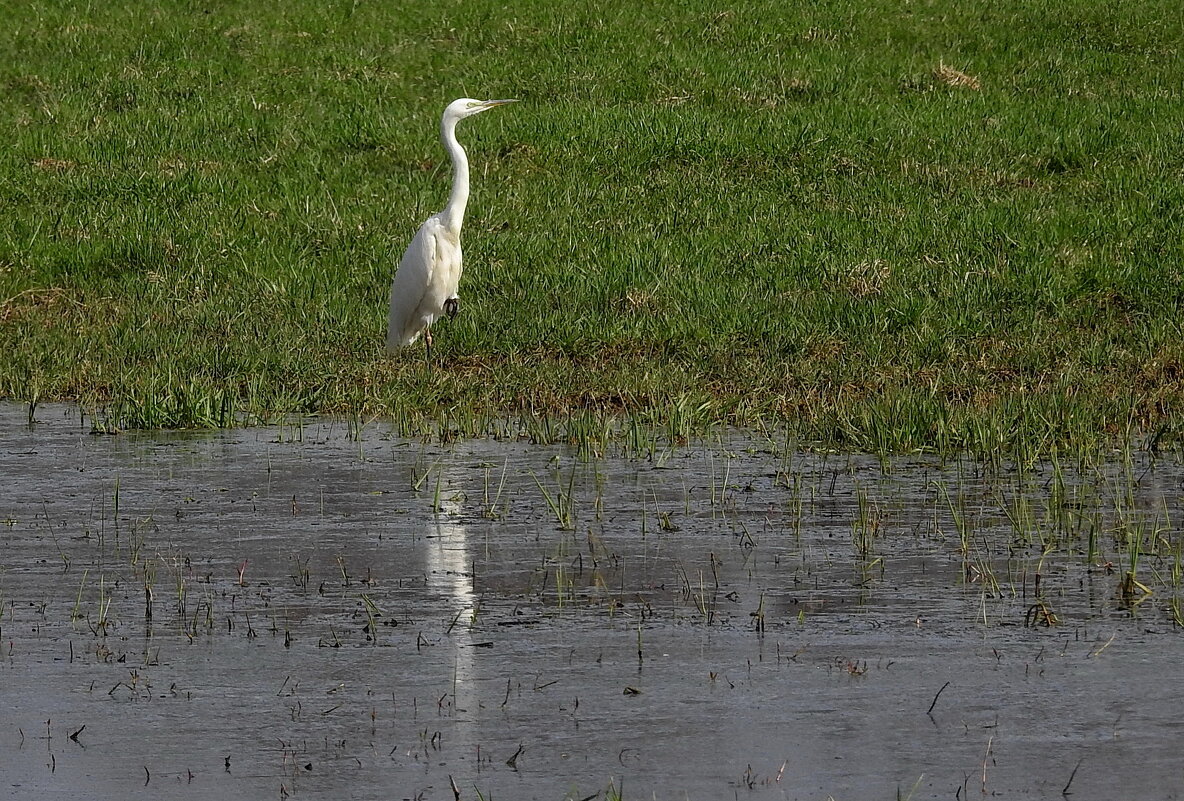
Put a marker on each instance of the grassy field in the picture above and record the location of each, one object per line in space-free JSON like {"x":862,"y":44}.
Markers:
{"x":886,"y":225}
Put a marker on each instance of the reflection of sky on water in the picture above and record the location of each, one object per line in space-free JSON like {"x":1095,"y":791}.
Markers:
{"x":498,"y":629}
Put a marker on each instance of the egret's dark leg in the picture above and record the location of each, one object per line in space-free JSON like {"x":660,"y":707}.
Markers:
{"x":451,"y":307}
{"x":427,"y":338}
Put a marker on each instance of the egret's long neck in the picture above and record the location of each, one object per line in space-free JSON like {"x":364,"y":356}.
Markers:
{"x":454,"y":212}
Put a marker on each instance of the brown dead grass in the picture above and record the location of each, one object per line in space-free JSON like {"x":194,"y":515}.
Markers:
{"x":953,"y":77}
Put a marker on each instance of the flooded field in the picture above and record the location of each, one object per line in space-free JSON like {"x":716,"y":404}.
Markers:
{"x":314,"y":611}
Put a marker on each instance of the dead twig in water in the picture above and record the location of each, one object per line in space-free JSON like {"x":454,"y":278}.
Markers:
{"x":1105,"y":646}
{"x":986,"y":758}
{"x":455,"y":789}
{"x":513,"y":761}
{"x":939,"y":692}
{"x":1071,"y":775}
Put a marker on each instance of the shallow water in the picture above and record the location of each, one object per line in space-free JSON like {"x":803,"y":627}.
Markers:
{"x":301,"y":612}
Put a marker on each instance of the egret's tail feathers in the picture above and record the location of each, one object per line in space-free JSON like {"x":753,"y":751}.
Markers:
{"x":395,"y":342}
{"x":398,"y":337}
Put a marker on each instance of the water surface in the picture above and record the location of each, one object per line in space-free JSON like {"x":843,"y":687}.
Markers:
{"x":308,"y":611}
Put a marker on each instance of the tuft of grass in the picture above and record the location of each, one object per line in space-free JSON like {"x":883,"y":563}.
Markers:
{"x":562,"y":502}
{"x":887,"y":227}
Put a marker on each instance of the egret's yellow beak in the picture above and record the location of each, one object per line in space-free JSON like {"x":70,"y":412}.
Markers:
{"x":492,"y":103}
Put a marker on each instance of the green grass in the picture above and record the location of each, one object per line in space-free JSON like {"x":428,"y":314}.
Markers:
{"x":777,"y":214}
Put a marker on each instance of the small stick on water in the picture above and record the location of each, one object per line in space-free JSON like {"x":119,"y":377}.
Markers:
{"x":986,"y":759}
{"x":1071,"y":775}
{"x":513,"y":761}
{"x":939,"y":692}
{"x":455,"y":789}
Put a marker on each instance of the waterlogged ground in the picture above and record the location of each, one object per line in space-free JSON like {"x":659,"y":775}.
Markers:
{"x":310,"y":612}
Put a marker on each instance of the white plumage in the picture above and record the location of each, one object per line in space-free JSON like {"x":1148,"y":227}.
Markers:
{"x":425,"y":285}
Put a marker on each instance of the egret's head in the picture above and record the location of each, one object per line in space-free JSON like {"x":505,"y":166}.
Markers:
{"x":467,"y":107}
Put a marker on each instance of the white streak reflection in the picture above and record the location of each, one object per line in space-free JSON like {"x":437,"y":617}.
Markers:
{"x":450,"y":577}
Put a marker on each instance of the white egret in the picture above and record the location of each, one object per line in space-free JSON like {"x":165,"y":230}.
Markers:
{"x":425,"y":285}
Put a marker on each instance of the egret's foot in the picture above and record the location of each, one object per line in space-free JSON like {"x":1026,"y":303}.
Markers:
{"x":452,"y":307}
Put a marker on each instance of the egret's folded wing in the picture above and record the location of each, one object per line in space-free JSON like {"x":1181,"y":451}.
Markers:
{"x":404,"y":323}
